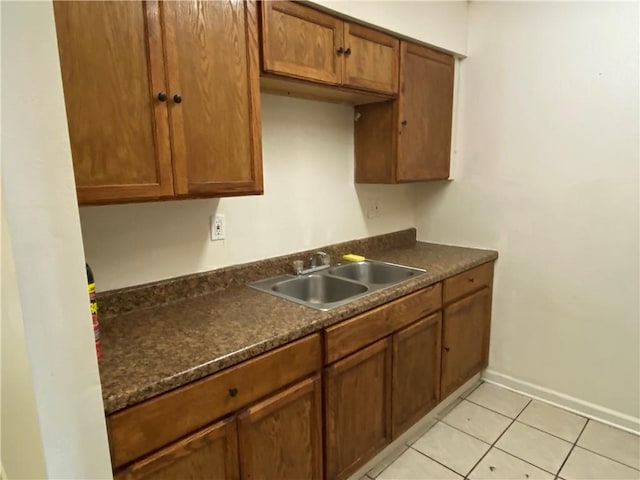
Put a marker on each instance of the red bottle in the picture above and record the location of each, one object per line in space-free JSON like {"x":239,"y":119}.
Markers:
{"x":91,"y":286}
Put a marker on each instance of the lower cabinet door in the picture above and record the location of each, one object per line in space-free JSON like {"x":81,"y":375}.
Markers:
{"x":211,"y":453}
{"x":281,"y":437}
{"x":357,"y":408}
{"x":416,"y":372}
{"x":465,"y":339}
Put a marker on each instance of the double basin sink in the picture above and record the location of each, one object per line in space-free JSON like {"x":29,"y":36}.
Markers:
{"x":337,"y":285}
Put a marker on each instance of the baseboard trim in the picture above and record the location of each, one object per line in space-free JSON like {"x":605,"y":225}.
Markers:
{"x":581,"y":407}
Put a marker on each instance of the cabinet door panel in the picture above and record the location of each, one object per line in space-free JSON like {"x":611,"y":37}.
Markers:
{"x":211,"y":453}
{"x":416,"y":372}
{"x":373,"y":61}
{"x":213,"y":65}
{"x":281,"y":437}
{"x":425,"y":114}
{"x":357,"y":408}
{"x":465,"y":339}
{"x":301,"y":42}
{"x":112,"y":70}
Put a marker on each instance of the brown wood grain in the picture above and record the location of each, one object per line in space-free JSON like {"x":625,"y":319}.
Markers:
{"x":281,"y":437}
{"x":294,"y":87}
{"x":357,"y":408}
{"x":467,"y":282}
{"x":301,"y":42}
{"x":375,"y":139}
{"x":425,"y":113}
{"x":415,"y":387}
{"x":143,"y":428}
{"x":112,"y":70}
{"x":211,"y":453}
{"x":353,"y":334}
{"x":373,"y":61}
{"x":465,"y":328}
{"x":212,"y":63}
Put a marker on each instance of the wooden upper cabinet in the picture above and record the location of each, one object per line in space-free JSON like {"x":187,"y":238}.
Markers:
{"x":162,"y":99}
{"x":371,"y":59}
{"x":211,"y":453}
{"x":465,"y":339}
{"x":281,"y":437}
{"x":416,"y":372}
{"x":112,"y":67}
{"x":409,"y":139}
{"x":425,"y":109}
{"x":357,"y":408}
{"x":301,"y":42}
{"x":304,"y":43}
{"x":212,"y":65}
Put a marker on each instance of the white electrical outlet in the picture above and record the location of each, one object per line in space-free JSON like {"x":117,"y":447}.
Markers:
{"x":218,"y":228}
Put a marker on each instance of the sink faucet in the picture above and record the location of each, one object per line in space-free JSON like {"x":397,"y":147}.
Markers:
{"x":324,"y":259}
{"x":318,"y":261}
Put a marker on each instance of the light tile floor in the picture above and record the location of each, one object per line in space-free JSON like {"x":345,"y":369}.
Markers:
{"x":494,"y":433}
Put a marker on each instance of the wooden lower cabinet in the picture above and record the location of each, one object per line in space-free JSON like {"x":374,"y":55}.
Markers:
{"x":357,"y":408}
{"x":416,"y":372}
{"x":465,"y":339}
{"x":211,"y":453}
{"x":281,"y":437}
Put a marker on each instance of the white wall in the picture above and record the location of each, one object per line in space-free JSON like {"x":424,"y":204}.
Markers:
{"x":20,"y":441}
{"x":439,"y":23}
{"x":43,"y":224}
{"x":548,"y":175}
{"x":310,"y":200}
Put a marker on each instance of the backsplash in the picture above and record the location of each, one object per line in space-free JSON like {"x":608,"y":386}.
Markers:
{"x":121,"y":301}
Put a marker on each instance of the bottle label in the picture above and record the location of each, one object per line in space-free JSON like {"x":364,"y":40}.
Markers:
{"x":94,"y":316}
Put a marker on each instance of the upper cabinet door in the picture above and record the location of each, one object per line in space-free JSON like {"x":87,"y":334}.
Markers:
{"x":301,"y":42}
{"x":425,"y":114}
{"x":214,"y":96}
{"x":371,"y":59}
{"x":112,"y":73}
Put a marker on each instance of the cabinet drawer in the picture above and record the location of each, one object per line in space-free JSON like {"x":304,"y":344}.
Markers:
{"x":467,"y":282}
{"x":153,"y":424}
{"x":351,"y":335}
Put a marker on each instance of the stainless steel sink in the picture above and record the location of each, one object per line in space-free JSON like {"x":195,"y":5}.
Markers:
{"x":375,"y":273}
{"x":338,"y":285}
{"x":319,"y":289}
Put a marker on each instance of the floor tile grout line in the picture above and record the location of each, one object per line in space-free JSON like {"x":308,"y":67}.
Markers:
{"x":496,"y":440}
{"x":608,"y":458}
{"x":467,"y":433}
{"x":436,"y":461}
{"x":549,"y":433}
{"x":572,"y":449}
{"x":495,"y":411}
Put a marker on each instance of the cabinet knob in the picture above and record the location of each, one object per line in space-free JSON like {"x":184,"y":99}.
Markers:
{"x":446,"y":349}
{"x":471,"y":279}
{"x":404,"y":123}
{"x":162,"y":96}
{"x":340,"y":51}
{"x":347,"y":52}
{"x":233,"y":392}
{"x":177,"y":98}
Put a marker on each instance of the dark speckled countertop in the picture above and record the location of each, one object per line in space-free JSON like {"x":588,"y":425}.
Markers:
{"x":152,"y":349}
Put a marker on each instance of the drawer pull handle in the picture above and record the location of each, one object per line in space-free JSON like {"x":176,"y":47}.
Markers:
{"x":446,"y":349}
{"x":347,"y":52}
{"x":471,"y":279}
{"x":340,"y":51}
{"x":233,"y":392}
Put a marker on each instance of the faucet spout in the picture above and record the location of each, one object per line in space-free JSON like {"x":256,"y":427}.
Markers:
{"x":323,"y":257}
